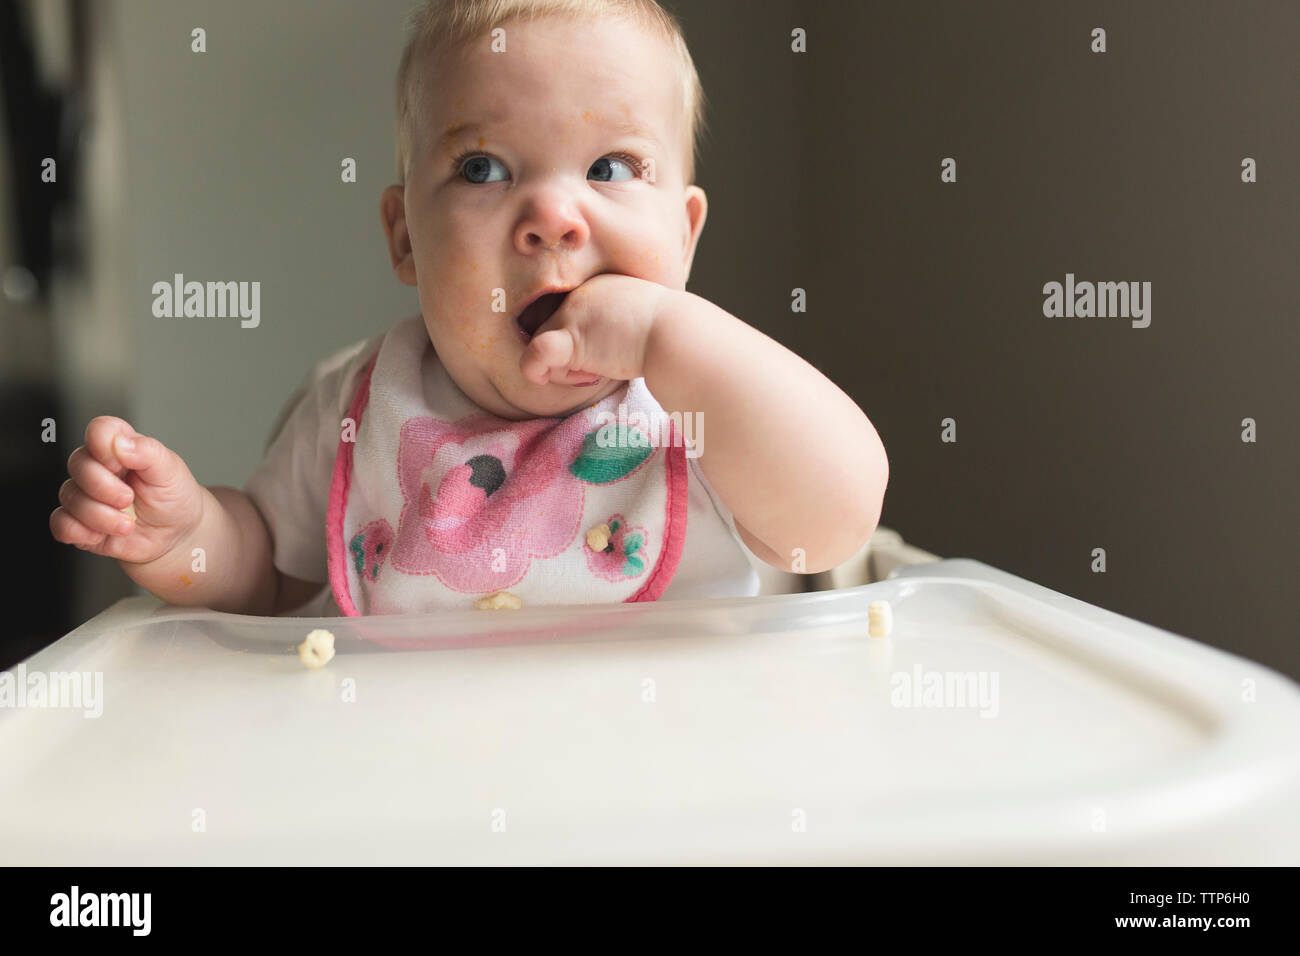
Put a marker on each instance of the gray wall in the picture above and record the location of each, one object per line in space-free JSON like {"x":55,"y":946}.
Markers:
{"x":822,"y":170}
{"x":234,"y":174}
{"x":925,"y":298}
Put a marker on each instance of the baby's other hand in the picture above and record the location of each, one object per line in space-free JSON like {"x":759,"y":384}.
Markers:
{"x":119,"y":471}
{"x":600,"y":329}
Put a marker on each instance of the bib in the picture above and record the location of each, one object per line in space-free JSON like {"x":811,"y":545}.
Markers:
{"x":435,"y":503}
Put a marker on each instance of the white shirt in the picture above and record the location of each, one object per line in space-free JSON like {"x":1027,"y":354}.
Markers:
{"x":291,"y":488}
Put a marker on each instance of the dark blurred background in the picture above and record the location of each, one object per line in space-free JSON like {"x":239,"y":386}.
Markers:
{"x":823,"y":173}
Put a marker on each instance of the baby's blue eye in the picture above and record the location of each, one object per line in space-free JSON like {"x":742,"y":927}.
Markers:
{"x":605,"y":170}
{"x":476,"y":169}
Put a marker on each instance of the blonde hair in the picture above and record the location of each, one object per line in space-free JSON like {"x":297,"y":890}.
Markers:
{"x":437,"y":26}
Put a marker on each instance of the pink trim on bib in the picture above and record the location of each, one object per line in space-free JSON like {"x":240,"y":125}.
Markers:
{"x":336,"y":551}
{"x":674,"y":525}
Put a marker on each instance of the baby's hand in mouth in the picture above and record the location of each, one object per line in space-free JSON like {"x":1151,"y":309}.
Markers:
{"x":597,"y":331}
{"x":537,"y":312}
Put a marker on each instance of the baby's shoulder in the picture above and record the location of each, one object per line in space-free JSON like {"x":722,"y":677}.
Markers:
{"x":332,"y":380}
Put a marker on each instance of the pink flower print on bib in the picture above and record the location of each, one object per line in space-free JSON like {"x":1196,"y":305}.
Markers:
{"x":370,"y":547}
{"x":479,"y":532}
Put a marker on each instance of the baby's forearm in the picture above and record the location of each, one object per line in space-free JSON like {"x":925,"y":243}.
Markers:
{"x":794,"y":458}
{"x":233,"y":572}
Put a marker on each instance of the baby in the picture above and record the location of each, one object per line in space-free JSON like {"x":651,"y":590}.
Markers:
{"x":513,"y":437}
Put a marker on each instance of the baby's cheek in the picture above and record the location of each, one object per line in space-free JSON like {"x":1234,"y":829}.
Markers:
{"x":461,"y":307}
{"x":482,"y":345}
{"x":459,"y":297}
{"x":646,"y":256}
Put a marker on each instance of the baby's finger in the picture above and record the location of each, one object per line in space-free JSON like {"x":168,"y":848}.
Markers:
{"x":99,"y":441}
{"x":69,"y":530}
{"x":152,"y":461}
{"x":547,"y":351}
{"x":574,"y":376}
{"x":97,"y":481}
{"x":95,"y":515}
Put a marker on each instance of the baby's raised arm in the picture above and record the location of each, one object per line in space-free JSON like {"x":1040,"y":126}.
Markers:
{"x":798,"y":463}
{"x":118,"y":471}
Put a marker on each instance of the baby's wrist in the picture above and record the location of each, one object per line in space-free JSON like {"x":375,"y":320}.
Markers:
{"x":668,"y":305}
{"x":684,"y":325}
{"x":665,"y":328}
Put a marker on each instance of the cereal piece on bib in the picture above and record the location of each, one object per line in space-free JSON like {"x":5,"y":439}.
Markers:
{"x":880,"y":618}
{"x":500,"y":600}
{"x":317,"y":650}
{"x":598,"y":537}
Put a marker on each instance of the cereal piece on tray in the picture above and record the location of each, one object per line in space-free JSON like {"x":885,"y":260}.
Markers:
{"x":880,"y":618}
{"x":500,"y":600}
{"x":317,"y":650}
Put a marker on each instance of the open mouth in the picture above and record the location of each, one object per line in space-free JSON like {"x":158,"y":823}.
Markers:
{"x":536,"y":313}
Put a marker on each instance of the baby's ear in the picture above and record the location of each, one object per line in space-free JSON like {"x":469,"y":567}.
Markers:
{"x":697,"y":210}
{"x":392,"y":213}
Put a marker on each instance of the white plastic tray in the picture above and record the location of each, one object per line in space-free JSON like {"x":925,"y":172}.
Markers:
{"x":775,"y":734}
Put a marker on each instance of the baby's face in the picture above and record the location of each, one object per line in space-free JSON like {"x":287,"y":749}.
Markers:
{"x":529,"y":175}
